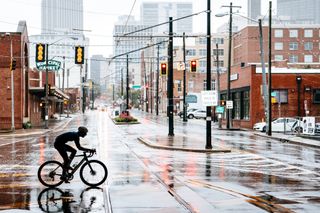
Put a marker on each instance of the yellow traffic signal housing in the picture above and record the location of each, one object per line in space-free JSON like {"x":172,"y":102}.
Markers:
{"x":163,"y":69}
{"x":40,"y":53}
{"x":79,"y":55}
{"x":193,"y":66}
{"x":13,"y":64}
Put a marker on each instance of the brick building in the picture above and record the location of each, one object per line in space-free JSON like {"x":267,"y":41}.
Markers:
{"x":293,"y":98}
{"x":28,"y":90}
{"x":292,"y":46}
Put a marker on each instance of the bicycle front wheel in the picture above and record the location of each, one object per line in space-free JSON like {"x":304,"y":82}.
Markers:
{"x":93,"y":173}
{"x":49,"y":173}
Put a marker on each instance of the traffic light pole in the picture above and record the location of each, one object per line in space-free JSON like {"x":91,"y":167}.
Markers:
{"x":127,"y":87}
{"x":208,"y":118}
{"x":184,"y":80}
{"x":170,"y":79}
{"x":218,"y":84}
{"x":157,"y":81}
{"x":46,"y":108}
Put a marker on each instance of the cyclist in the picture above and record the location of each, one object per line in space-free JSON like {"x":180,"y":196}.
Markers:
{"x":63,"y":148}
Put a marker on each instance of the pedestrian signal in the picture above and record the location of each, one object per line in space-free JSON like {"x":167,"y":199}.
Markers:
{"x":222,"y":103}
{"x":79,"y":55}
{"x":40,"y":52}
{"x":193,"y":66}
{"x":163,"y":69}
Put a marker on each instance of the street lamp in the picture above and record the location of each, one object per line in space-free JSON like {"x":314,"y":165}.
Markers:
{"x":12,"y":83}
{"x":46,"y":118}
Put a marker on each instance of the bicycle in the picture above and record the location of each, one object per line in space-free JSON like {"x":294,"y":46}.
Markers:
{"x":92,"y":172}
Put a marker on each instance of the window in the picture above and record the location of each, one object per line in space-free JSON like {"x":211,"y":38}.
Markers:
{"x":204,"y":84}
{"x":202,"y":52}
{"x":245,"y":114}
{"x":278,"y":33}
{"x":179,"y":86}
{"x":281,"y":96}
{"x":191,"y":52}
{"x":308,"y":46}
{"x":203,"y":64}
{"x":293,"y":46}
{"x":218,"y":40}
{"x":293,"y":59}
{"x":278,"y":57}
{"x":316,"y":96}
{"x":308,"y":33}
{"x":213,"y":85}
{"x":308,"y":59}
{"x":278,"y":46}
{"x":236,"y":105}
{"x":221,"y":64}
{"x":202,"y":40}
{"x":293,"y":33}
{"x":220,"y":52}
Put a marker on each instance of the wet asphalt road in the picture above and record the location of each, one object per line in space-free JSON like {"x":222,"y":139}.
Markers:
{"x":259,"y":175}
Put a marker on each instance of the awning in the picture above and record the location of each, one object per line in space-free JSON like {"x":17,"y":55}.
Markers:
{"x":55,"y":93}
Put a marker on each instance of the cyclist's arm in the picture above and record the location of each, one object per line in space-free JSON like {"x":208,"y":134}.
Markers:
{"x":77,"y":142}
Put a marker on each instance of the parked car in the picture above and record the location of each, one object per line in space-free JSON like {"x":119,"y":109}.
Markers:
{"x":317,"y":129}
{"x":199,"y":113}
{"x":180,"y":114}
{"x":281,"y":124}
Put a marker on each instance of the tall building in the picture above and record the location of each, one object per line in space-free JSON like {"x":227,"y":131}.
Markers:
{"x":300,"y":11}
{"x":123,"y":45}
{"x":156,"y":13}
{"x":254,"y":9}
{"x":96,"y":68}
{"x":60,"y":16}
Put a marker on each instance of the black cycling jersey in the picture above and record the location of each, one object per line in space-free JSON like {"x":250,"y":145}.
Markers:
{"x":64,"y":138}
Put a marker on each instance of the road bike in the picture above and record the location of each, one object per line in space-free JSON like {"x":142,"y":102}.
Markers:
{"x":92,"y":172}
{"x":58,"y":200}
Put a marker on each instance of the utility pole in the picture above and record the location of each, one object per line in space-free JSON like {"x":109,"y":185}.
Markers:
{"x":127,"y":87}
{"x":63,"y":72}
{"x":209,"y":117}
{"x":157,"y":81}
{"x":229,"y":64}
{"x":269,"y":74}
{"x":68,"y":73}
{"x":184,"y":80}
{"x":151,"y":86}
{"x":170,"y":79}
{"x":46,"y":108}
{"x":218,"y":84}
{"x":12,"y":86}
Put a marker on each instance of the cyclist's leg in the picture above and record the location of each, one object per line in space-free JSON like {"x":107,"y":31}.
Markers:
{"x":72,"y":155}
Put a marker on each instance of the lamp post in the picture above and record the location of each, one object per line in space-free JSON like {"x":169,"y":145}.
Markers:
{"x":299,"y":80}
{"x":12,"y":84}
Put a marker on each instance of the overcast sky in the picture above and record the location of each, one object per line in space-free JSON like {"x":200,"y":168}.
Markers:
{"x":100,"y":16}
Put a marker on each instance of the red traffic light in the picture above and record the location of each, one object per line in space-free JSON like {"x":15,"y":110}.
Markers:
{"x":163,"y":69}
{"x":193,"y":65}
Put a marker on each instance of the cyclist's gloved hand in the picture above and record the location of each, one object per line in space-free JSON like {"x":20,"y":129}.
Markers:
{"x":92,"y":151}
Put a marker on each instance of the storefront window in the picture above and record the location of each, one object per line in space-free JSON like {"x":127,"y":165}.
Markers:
{"x":236,"y":105}
{"x":246,"y":105}
{"x":281,"y":96}
{"x":316,"y":96}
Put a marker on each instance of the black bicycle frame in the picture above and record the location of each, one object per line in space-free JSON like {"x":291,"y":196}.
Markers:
{"x":84,"y":159}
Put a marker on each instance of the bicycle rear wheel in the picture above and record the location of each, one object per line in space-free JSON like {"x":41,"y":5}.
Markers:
{"x":49,"y":173}
{"x":93,"y":173}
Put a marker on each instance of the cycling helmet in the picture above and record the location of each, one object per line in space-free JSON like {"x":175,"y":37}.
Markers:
{"x":82,"y":130}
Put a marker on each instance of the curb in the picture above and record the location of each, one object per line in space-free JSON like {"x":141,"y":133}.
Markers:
{"x":148,"y":143}
{"x":288,"y":141}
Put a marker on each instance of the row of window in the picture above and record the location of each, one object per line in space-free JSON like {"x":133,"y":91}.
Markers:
{"x":241,"y":104}
{"x":293,"y":33}
{"x":294,"y":45}
{"x":214,"y":40}
{"x":281,"y":96}
{"x":203,"y":52}
{"x":294,"y":58}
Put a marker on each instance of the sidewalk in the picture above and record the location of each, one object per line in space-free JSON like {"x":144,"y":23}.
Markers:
{"x":52,"y":125}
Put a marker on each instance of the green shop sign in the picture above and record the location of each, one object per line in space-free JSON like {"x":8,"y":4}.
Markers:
{"x":52,"y":65}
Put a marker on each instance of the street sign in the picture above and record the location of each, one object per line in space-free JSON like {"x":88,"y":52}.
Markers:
{"x":53,"y":65}
{"x":229,"y":105}
{"x":220,"y":109}
{"x":136,"y":86}
{"x":273,"y":94}
{"x":209,"y":98}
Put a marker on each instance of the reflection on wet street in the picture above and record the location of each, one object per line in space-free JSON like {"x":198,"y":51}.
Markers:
{"x":258,"y":175}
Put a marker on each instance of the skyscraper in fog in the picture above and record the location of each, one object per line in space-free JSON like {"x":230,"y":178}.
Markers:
{"x":61,"y":16}
{"x":300,"y":11}
{"x":254,"y":8}
{"x":153,"y":13}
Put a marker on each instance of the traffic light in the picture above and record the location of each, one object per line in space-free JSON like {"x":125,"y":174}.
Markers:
{"x":193,"y":66}
{"x":40,"y":52}
{"x":79,"y":55}
{"x":13,"y":64}
{"x":163,"y":69}
{"x":222,"y":103}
